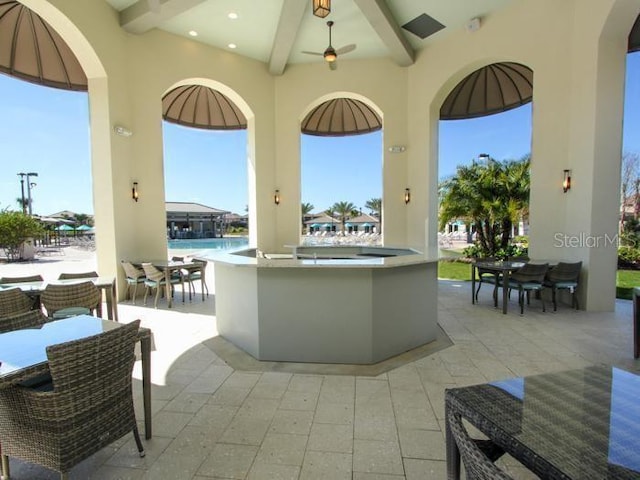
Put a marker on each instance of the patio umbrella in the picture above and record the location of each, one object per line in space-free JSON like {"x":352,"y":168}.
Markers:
{"x":315,"y":225}
{"x":65,"y":228}
{"x":84,"y":228}
{"x":366,"y":224}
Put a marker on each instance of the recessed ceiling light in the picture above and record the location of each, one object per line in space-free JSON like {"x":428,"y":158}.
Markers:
{"x":193,"y":33}
{"x":232,"y":45}
{"x":233,"y":16}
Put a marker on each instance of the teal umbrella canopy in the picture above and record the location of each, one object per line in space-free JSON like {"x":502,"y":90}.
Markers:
{"x":366,"y":224}
{"x":84,"y":228}
{"x":66,"y":228}
{"x":315,"y":225}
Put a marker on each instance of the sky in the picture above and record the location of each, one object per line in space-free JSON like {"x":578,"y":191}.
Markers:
{"x":46,"y":130}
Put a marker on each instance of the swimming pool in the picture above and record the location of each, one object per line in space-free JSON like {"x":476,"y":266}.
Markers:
{"x":216,"y":244}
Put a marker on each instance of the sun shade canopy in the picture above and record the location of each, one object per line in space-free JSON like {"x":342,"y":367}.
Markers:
{"x":30,"y":49}
{"x":492,"y":89}
{"x":198,"y":106}
{"x":341,"y":117}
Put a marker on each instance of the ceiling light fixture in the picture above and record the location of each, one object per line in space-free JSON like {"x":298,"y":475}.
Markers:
{"x":321,"y":8}
{"x":233,"y":15}
{"x":193,"y":33}
{"x":232,"y":45}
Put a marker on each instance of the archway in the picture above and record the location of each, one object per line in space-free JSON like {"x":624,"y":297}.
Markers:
{"x":342,"y":199}
{"x":201,"y":106}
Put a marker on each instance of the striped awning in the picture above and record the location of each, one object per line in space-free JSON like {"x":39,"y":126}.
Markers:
{"x":341,"y":117}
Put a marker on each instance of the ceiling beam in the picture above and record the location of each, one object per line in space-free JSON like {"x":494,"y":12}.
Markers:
{"x":144,"y":15}
{"x":380,"y":18}
{"x":286,"y":33}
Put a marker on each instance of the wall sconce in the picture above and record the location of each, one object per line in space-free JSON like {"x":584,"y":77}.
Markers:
{"x":321,"y":8}
{"x":566,"y":181}
{"x":134,"y":191}
{"x":276,"y":197}
{"x":407,"y":195}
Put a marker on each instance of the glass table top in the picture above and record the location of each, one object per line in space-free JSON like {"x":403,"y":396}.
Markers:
{"x":585,"y":423}
{"x":22,"y":349}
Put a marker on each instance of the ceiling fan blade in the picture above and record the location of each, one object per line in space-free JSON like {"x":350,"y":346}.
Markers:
{"x":346,"y":49}
{"x":313,"y":53}
{"x":333,"y":65}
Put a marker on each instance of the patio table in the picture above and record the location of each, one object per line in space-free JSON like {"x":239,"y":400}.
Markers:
{"x":105,"y":284}
{"x":23,"y":352}
{"x":503,"y":268}
{"x":168,"y":267}
{"x":575,"y":424}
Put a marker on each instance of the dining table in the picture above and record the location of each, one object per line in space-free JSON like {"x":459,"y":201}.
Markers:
{"x":169,"y":267}
{"x":575,"y":424}
{"x":23,"y":352}
{"x":105,"y":284}
{"x":502,"y":269}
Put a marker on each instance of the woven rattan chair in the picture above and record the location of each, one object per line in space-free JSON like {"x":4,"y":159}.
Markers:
{"x":156,"y":279}
{"x":67,"y":276}
{"x":529,"y":278}
{"x":14,"y":301}
{"x":90,"y":406}
{"x":67,"y":300}
{"x":31,"y":278}
{"x":30,"y":319}
{"x":477,"y":455}
{"x":564,"y":276}
{"x":135,"y":276}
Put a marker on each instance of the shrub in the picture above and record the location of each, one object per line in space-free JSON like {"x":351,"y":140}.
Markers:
{"x":628,"y":257}
{"x":15,"y":229}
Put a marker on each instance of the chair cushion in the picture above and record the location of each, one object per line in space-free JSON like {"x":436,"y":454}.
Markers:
{"x":71,"y":312}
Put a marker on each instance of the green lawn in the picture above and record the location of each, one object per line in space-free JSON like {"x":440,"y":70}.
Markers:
{"x":626,"y":279}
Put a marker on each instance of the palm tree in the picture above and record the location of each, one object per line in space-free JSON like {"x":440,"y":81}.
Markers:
{"x":375,"y":207}
{"x":344,"y":211}
{"x":492,"y":197}
{"x":305,"y":209}
{"x":330,"y":212}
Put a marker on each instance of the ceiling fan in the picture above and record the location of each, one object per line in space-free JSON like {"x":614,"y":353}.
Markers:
{"x":331,"y":54}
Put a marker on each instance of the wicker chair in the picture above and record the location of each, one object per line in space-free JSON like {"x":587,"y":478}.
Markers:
{"x":90,"y":406}
{"x":71,"y":299}
{"x":67,"y":276}
{"x":529,"y":278}
{"x":14,"y":301}
{"x":564,"y":276}
{"x":135,"y":276}
{"x":32,"y":278}
{"x":30,"y":319}
{"x":156,"y":279}
{"x":477,"y":455}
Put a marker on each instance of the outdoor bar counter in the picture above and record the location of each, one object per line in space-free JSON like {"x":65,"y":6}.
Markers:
{"x":358,"y":305}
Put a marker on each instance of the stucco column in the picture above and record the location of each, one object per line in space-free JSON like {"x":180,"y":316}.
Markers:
{"x":577,"y":125}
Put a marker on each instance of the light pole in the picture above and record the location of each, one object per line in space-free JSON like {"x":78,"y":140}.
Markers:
{"x":30,"y":186}
{"x":24,"y":207}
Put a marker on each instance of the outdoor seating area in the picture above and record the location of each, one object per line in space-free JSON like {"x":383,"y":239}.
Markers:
{"x":525,"y":276}
{"x":264,"y":419}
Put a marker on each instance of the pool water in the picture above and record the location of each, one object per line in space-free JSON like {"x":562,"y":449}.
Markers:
{"x":216,"y":244}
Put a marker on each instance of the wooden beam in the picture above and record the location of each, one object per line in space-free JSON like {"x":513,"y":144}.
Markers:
{"x":380,"y":18}
{"x":144,"y":15}
{"x":286,"y":33}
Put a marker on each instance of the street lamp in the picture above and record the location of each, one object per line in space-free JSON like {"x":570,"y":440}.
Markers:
{"x":29,"y":187}
{"x":26,"y":204}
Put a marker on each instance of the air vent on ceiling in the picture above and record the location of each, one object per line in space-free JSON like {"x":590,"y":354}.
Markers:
{"x":423,"y":26}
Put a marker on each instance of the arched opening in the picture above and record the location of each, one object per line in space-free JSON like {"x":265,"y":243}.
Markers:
{"x":485,"y":146}
{"x":45,"y":123}
{"x":206,"y":168}
{"x":341,"y":173}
